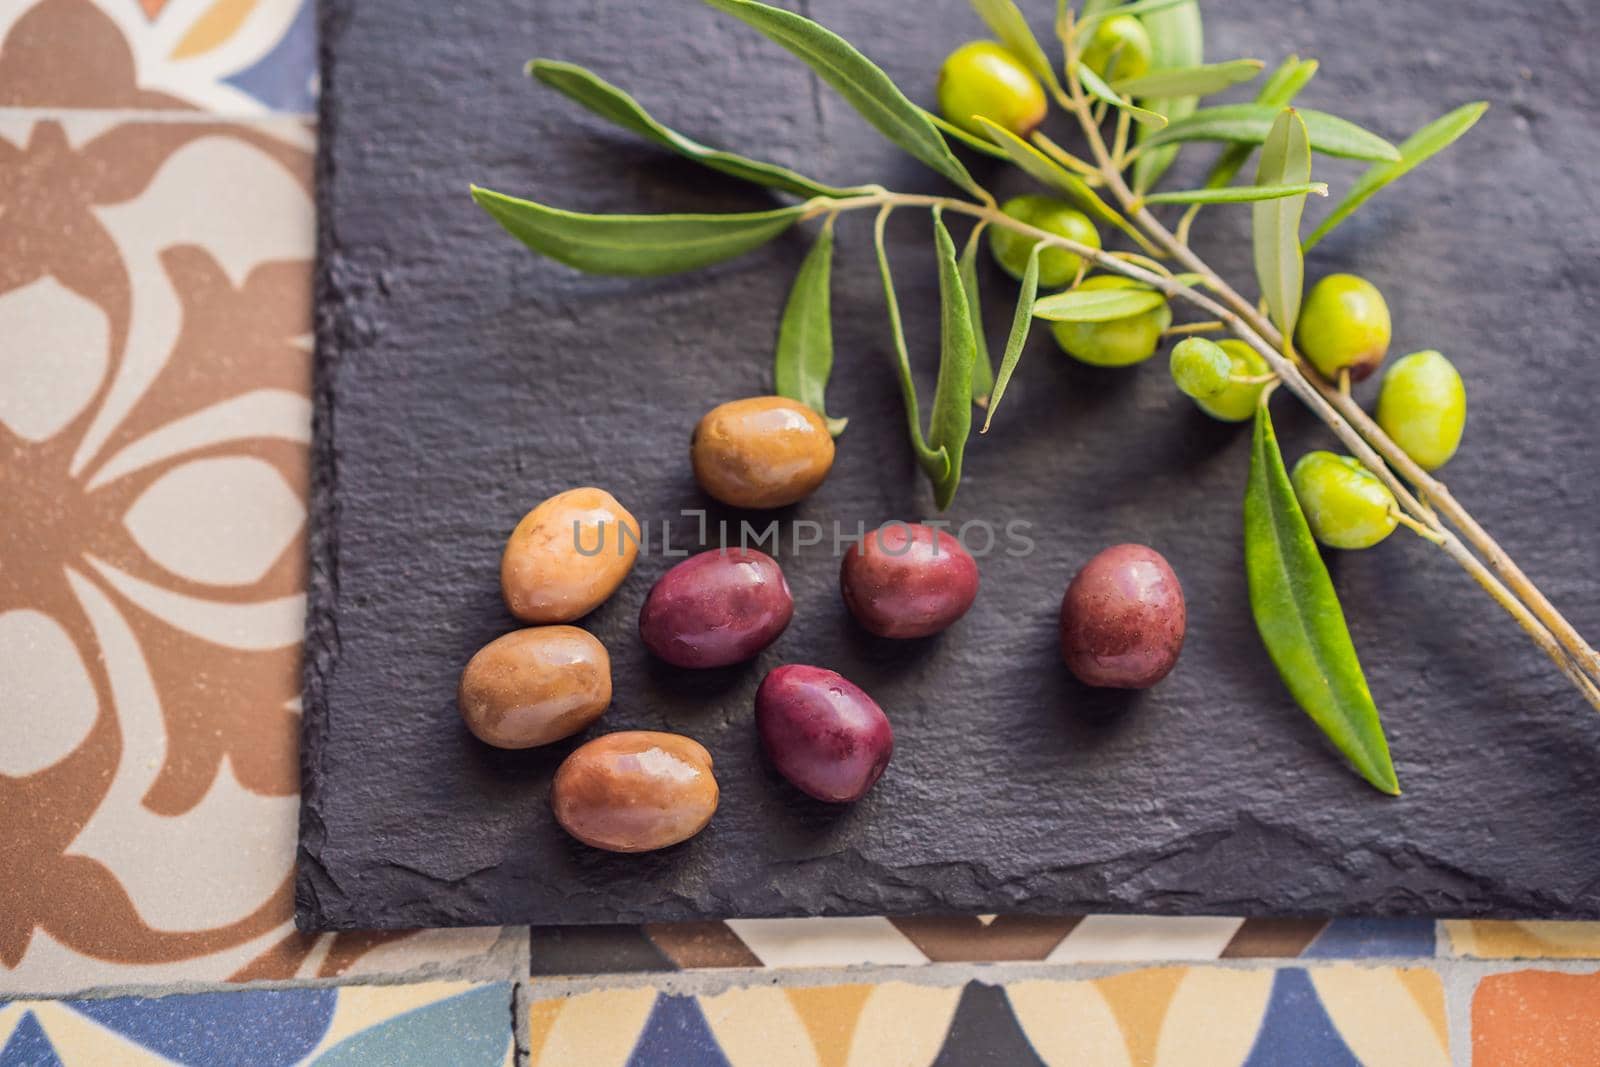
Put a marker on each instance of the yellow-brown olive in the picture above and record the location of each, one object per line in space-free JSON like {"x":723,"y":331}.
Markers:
{"x":534,"y":686}
{"x":635,"y":791}
{"x":761,"y":452}
{"x":567,"y":556}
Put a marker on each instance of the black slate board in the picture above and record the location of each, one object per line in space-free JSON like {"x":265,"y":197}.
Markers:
{"x":462,"y":379}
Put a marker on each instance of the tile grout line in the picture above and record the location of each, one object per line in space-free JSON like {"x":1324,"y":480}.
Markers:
{"x":157,"y":115}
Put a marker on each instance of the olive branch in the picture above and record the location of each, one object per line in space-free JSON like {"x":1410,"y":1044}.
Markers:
{"x":1150,"y":116}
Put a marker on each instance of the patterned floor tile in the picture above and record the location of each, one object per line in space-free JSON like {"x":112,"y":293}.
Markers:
{"x":154,"y":420}
{"x":353,"y":1026}
{"x":1154,"y":1017}
{"x":1521,"y":940}
{"x":1535,"y":1019}
{"x":230,"y":56}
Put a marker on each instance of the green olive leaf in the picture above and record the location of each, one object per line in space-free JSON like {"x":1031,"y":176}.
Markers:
{"x":856,"y":78}
{"x":1177,"y":42}
{"x":1039,"y":166}
{"x":1427,"y":142}
{"x":950,"y":423}
{"x":1021,"y":322}
{"x":1237,"y":194}
{"x":1250,"y":123}
{"x":1275,"y":224}
{"x":982,"y":368}
{"x":610,"y":102}
{"x":1097,"y":88}
{"x":1191,"y":81}
{"x":804,"y":356}
{"x":1093,"y":13}
{"x":1298,"y":615}
{"x":1279,"y":91}
{"x":1096,"y":305}
{"x":634,"y":244}
{"x":1007,"y":23}
{"x":934,"y":462}
{"x":977,"y":144}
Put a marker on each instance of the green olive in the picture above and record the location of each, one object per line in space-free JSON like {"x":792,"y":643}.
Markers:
{"x":1423,"y":406}
{"x":1057,"y":266}
{"x":982,"y":78}
{"x":1345,"y":504}
{"x":1238,"y":402}
{"x":1120,"y":342}
{"x":1118,"y":48}
{"x":1344,"y":326}
{"x":1200,"y":368}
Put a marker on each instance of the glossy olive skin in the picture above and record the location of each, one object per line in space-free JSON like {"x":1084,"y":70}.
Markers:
{"x":1200,"y":368}
{"x":534,"y":686}
{"x":823,"y":733}
{"x":1120,"y":342}
{"x":1423,"y":406}
{"x":908,"y":580}
{"x":1057,"y":266}
{"x":1237,"y":403}
{"x":983,"y":78}
{"x":761,"y":452}
{"x":1345,"y":504}
{"x":1344,"y":325}
{"x":567,"y":556}
{"x":717,"y":608}
{"x":1118,"y":48}
{"x":635,"y":791}
{"x":1123,"y":619}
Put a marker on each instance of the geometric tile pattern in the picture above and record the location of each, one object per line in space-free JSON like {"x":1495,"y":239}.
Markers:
{"x":428,"y":1023}
{"x":1157,"y":1017}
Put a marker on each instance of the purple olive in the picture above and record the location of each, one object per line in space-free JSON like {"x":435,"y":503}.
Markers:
{"x":716,"y":608}
{"x":1123,"y":618}
{"x":822,"y":733}
{"x":908,"y":580}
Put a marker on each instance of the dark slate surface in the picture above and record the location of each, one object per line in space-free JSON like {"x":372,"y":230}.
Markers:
{"x":462,"y":379}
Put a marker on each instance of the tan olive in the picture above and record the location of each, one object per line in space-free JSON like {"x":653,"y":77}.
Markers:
{"x":635,"y":791}
{"x":762,"y":452}
{"x":567,"y":556}
{"x":535,"y":686}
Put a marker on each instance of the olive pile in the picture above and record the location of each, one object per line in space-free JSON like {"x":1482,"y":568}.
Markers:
{"x":1122,"y":624}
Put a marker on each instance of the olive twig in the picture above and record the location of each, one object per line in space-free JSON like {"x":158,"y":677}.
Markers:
{"x":1420,"y":529}
{"x":1208,"y":326}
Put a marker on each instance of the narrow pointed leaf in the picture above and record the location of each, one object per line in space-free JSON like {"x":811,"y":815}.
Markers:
{"x":1041,"y":164}
{"x":977,"y":144}
{"x":804,"y":357}
{"x":982,"y":368}
{"x":1177,"y":41}
{"x":1096,"y":305}
{"x":1138,"y":7}
{"x":1279,"y":91}
{"x":1021,"y":322}
{"x":1298,"y":615}
{"x":1250,"y":124}
{"x":610,"y":102}
{"x":950,"y":422}
{"x":1427,"y":142}
{"x":1237,"y":194}
{"x":1096,"y":87}
{"x":1008,"y":24}
{"x":934,"y":462}
{"x":857,"y":79}
{"x":1191,"y":81}
{"x":634,"y":244}
{"x":1275,"y":224}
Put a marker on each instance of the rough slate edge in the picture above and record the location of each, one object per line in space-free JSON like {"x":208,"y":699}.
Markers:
{"x":1250,"y":843}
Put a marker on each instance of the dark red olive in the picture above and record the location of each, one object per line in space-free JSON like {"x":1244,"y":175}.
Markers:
{"x":1123,"y":618}
{"x":908,"y":580}
{"x":822,"y":733}
{"x":716,"y":608}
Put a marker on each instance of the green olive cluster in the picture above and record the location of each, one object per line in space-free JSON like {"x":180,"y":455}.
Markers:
{"x":1344,"y":329}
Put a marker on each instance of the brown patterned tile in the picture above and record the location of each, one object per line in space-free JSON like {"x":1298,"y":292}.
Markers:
{"x":967,"y":939}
